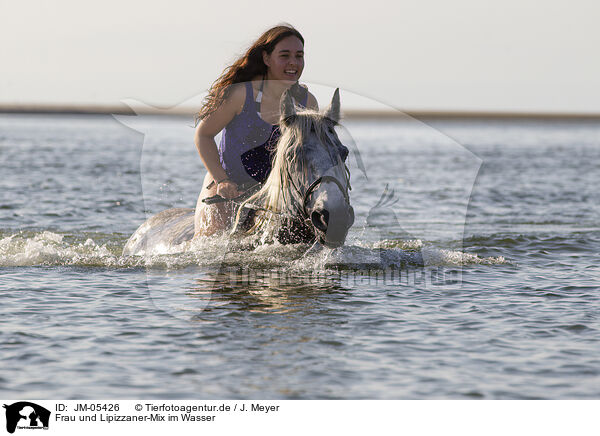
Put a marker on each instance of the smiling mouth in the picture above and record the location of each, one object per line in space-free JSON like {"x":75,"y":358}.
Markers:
{"x":291,"y":72}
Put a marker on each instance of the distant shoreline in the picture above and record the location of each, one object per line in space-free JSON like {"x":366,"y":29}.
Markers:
{"x":349,"y":114}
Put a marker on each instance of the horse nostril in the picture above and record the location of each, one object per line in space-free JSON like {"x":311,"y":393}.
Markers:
{"x":320,"y":219}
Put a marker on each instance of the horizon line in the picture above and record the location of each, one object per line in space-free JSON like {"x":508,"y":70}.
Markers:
{"x":99,"y":109}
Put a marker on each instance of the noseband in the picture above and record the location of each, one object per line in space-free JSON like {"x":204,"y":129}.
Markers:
{"x":313,"y":186}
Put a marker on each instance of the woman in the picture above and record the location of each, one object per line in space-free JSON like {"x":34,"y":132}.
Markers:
{"x":244,"y":102}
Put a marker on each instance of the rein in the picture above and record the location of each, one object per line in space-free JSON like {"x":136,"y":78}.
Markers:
{"x":304,"y":203}
{"x":240,"y":201}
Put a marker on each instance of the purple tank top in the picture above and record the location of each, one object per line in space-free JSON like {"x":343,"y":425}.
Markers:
{"x":247,"y":142}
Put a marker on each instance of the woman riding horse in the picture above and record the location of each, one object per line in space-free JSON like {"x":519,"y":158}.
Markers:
{"x":244,"y":103}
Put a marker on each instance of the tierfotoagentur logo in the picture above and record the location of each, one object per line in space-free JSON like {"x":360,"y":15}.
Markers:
{"x":24,"y":415}
{"x":408,"y":217}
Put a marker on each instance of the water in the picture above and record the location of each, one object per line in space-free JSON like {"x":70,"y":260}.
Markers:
{"x":503,"y":213}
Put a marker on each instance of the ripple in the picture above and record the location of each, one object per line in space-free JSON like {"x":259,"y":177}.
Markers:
{"x":577,"y":328}
{"x":278,"y":322}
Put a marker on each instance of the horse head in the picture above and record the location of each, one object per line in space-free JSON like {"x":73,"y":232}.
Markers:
{"x":310,"y":161}
{"x":309,"y":181}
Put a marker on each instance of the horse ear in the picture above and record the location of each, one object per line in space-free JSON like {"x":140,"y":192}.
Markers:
{"x":333,"y":111}
{"x":288,"y":109}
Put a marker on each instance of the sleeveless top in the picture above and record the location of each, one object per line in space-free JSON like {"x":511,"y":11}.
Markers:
{"x":248,"y":142}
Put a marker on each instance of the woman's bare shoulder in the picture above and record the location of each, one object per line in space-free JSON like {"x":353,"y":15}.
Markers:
{"x":237,"y":97}
{"x":233,"y":105}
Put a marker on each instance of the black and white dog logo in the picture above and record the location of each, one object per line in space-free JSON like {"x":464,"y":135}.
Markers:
{"x":26,"y":415}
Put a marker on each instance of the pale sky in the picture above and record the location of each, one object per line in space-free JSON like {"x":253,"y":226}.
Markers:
{"x":510,"y":55}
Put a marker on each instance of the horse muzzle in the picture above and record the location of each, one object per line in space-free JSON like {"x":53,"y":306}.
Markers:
{"x":332,"y":225}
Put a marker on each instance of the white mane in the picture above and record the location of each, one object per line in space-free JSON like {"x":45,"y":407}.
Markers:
{"x":276,"y":193}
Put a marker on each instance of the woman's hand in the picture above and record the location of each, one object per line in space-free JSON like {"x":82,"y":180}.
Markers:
{"x":227,"y":189}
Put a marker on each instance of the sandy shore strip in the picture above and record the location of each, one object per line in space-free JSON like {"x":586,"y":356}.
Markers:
{"x":352,"y":113}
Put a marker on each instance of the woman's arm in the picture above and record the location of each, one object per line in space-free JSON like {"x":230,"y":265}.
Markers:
{"x":205,"y":138}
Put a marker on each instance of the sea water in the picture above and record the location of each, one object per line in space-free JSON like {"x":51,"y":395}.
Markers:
{"x":472,"y":269}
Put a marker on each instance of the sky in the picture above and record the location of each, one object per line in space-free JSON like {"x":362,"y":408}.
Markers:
{"x":464,"y":55}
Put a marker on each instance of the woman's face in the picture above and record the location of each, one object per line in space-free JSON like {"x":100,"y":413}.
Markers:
{"x":286,"y":62}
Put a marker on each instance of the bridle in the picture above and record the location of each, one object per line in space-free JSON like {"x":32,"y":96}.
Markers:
{"x":305,"y":197}
{"x":312,"y":187}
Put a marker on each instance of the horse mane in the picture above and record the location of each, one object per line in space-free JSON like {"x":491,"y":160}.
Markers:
{"x":276,"y":193}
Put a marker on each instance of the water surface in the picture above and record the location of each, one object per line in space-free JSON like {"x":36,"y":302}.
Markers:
{"x":504,"y":213}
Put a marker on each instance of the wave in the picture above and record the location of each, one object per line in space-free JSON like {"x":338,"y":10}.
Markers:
{"x":47,"y":248}
{"x":572,"y":242}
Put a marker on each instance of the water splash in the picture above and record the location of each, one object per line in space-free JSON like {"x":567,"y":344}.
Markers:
{"x":46,"y":248}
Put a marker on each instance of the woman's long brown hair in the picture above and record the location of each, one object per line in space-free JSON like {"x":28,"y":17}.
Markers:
{"x":246,"y":68}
